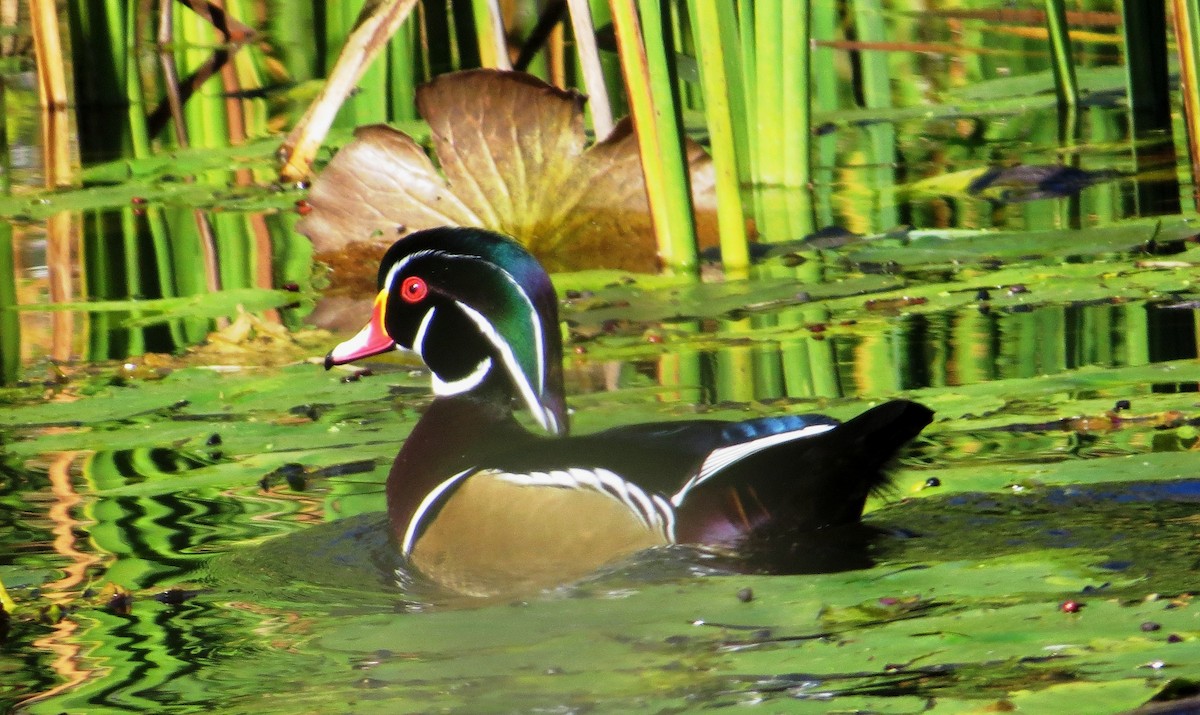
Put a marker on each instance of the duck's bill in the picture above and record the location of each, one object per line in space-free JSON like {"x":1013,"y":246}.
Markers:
{"x":371,"y":340}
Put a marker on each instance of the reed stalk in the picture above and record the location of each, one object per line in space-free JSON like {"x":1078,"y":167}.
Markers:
{"x":749,"y":167}
{"x":659,"y":130}
{"x":822,"y":361}
{"x":1187,"y":42}
{"x":404,"y":73}
{"x":714,"y":28}
{"x":53,"y":95}
{"x":129,"y":261}
{"x":823,"y":95}
{"x":139,"y":133}
{"x":1148,"y":81}
{"x":10,"y":322}
{"x":680,"y":371}
{"x":768,"y":96}
{"x":1058,"y":31}
{"x":793,"y":355}
{"x":876,"y":90}
{"x":591,"y":67}
{"x":735,"y":366}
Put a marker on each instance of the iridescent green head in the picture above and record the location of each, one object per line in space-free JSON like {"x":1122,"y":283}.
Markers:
{"x":481,"y":313}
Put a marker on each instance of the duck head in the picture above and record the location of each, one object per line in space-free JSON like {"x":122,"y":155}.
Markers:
{"x":478,"y":310}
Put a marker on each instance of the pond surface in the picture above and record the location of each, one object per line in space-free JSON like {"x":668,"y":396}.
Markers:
{"x":200,"y":528}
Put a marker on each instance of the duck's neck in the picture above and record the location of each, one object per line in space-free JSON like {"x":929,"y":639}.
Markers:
{"x":453,"y":435}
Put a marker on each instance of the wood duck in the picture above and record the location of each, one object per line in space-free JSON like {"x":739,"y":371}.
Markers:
{"x":480,"y":505}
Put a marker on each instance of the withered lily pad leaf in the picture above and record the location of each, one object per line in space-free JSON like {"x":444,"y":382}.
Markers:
{"x":514,"y":158}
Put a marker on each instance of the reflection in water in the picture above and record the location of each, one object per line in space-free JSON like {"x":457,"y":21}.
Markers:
{"x":966,"y":346}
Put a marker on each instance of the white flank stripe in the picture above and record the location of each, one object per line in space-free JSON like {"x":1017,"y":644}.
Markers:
{"x":588,"y":479}
{"x":410,"y":534}
{"x":645,"y":506}
{"x":653,"y":511}
{"x":722,"y":457}
{"x":668,"y":513}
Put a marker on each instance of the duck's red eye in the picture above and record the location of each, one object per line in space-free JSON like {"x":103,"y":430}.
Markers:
{"x":413,"y":289}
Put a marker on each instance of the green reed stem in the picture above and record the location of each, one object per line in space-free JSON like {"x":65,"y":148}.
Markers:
{"x":793,"y":354}
{"x":1146,"y":64}
{"x":291,"y":24}
{"x":133,"y":276}
{"x":10,"y":323}
{"x":1137,"y":333}
{"x":139,"y":134}
{"x":1187,"y":41}
{"x":1060,"y":50}
{"x":796,"y":114}
{"x":161,"y":247}
{"x":1148,"y":78}
{"x":97,"y":277}
{"x":713,"y":27}
{"x":404,"y":73}
{"x":735,"y":366}
{"x":749,"y":89}
{"x":797,"y":93}
{"x":648,"y":78}
{"x":823,"y":94}
{"x":680,"y":369}
{"x":768,"y":97}
{"x":875,"y":83}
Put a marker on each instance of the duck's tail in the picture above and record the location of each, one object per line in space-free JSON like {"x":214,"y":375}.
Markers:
{"x":802,"y":485}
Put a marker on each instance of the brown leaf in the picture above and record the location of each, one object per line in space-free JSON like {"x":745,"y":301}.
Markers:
{"x":514,"y":158}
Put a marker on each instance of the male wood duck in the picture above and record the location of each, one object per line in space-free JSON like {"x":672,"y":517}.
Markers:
{"x":480,"y":505}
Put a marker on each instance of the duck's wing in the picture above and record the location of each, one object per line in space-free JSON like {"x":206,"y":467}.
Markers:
{"x":810,"y":478}
{"x":665,"y":458}
{"x":717,"y":482}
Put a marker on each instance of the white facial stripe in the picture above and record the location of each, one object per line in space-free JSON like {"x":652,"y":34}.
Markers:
{"x":722,"y":457}
{"x":540,"y":413}
{"x":529,"y":394}
{"x":400,"y":264}
{"x":539,"y":342}
{"x":419,"y":338}
{"x":410,"y":534}
{"x":441,"y":388}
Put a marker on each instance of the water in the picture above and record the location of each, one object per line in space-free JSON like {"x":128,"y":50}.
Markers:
{"x":203,"y":531}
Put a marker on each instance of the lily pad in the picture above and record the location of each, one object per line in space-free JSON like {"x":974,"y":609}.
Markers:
{"x":513,"y":157}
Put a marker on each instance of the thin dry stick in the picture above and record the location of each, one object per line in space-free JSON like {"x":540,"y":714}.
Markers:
{"x":52,"y":93}
{"x":593,"y":73}
{"x":166,"y":57}
{"x":60,"y":228}
{"x":215,"y":15}
{"x":364,"y":43}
